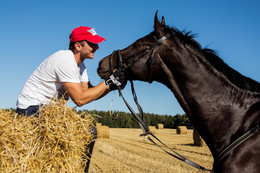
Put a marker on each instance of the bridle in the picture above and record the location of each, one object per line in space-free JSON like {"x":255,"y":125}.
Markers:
{"x":140,"y":119}
{"x":150,"y":47}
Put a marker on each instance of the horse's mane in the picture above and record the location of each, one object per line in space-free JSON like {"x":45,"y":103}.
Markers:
{"x":187,"y":38}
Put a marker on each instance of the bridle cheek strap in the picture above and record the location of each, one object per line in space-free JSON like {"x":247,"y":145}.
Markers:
{"x":120,"y":64}
{"x":110,"y":62}
{"x":149,"y":64}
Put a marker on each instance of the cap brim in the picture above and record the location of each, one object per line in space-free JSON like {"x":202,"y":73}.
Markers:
{"x":96,"y":39}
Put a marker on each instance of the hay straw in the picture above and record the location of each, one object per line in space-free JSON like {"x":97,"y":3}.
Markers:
{"x":53,"y":142}
{"x":181,"y":130}
{"x":198,"y":141}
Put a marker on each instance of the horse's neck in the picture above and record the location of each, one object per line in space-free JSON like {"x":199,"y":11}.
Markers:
{"x":209,"y":99}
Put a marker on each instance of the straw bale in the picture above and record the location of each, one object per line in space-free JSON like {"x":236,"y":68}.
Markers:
{"x":160,"y":126}
{"x":181,"y":130}
{"x":198,"y":141}
{"x":152,"y":129}
{"x":55,"y":141}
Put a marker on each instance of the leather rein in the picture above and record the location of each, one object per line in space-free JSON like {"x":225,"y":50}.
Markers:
{"x":140,"y":119}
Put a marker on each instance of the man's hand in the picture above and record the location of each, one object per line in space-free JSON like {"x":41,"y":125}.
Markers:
{"x":117,"y":79}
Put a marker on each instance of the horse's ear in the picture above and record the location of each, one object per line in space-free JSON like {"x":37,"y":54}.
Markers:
{"x":157,"y":24}
{"x":163,"y":22}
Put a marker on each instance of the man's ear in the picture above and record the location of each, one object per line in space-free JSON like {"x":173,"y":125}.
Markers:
{"x":77,"y":46}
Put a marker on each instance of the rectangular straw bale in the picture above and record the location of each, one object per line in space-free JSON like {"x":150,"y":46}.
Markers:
{"x":181,"y":130}
{"x":55,"y":141}
{"x":198,"y":141}
{"x":153,"y":129}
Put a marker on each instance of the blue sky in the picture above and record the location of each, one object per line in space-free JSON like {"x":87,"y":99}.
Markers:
{"x":33,"y":30}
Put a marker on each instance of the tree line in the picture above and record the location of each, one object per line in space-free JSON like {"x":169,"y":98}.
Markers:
{"x":117,"y":119}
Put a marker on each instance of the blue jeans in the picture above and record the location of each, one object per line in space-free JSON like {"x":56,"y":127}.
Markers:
{"x":90,"y":147}
{"x":31,"y":110}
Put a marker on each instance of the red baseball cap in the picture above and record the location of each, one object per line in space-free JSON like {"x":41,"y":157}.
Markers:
{"x":85,"y":33}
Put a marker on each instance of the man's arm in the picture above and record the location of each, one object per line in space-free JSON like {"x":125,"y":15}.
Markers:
{"x":82,"y":94}
{"x":86,"y":85}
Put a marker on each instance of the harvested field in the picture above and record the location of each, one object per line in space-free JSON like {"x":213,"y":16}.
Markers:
{"x":126,"y":152}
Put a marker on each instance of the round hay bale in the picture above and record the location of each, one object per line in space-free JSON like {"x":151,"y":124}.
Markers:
{"x":105,"y":132}
{"x":198,"y":141}
{"x":152,"y":129}
{"x":102,"y":131}
{"x":182,"y":130}
{"x":160,"y":126}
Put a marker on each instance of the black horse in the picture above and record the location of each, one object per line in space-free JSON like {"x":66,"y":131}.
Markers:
{"x":222,"y":104}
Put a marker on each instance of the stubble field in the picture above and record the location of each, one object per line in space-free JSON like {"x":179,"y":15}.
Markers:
{"x":125,"y":151}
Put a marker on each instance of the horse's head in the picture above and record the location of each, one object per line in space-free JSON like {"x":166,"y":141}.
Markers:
{"x":137,"y":59}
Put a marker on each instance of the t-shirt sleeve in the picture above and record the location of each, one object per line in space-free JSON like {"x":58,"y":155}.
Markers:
{"x":67,"y":72}
{"x":83,"y":73}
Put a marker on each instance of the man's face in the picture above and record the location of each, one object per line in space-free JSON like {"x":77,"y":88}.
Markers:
{"x":87,"y":50}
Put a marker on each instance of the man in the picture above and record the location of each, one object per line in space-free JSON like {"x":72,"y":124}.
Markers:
{"x":64,"y":74}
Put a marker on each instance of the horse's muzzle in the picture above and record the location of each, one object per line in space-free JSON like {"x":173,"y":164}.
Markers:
{"x":103,"y":71}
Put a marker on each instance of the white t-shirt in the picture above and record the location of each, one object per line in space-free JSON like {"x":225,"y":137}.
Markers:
{"x":45,"y":82}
